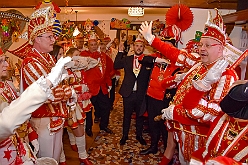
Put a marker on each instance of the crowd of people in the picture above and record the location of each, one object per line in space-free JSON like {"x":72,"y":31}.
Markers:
{"x":189,"y":96}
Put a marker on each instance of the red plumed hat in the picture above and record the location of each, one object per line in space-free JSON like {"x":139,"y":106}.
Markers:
{"x":41,"y":21}
{"x":214,"y":28}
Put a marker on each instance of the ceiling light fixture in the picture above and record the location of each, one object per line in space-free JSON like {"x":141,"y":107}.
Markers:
{"x":76,"y":31}
{"x":136,"y":11}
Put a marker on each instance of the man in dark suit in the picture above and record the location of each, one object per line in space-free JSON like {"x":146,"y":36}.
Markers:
{"x":133,"y":88}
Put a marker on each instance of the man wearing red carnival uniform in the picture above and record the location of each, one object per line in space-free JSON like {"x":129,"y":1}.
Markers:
{"x":15,"y":112}
{"x":111,"y":52}
{"x":228,"y":134}
{"x":196,"y":102}
{"x":99,"y":82}
{"x":159,"y":95}
{"x":48,"y":120}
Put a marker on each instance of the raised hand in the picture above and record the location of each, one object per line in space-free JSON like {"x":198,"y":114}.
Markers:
{"x":121,"y":47}
{"x":146,"y":31}
{"x":58,"y":72}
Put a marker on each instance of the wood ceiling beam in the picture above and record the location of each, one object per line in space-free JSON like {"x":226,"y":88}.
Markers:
{"x":123,"y":3}
{"x":239,"y":16}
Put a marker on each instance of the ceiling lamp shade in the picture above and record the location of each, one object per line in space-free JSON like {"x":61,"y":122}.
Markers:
{"x":179,"y":15}
{"x":76,"y":32}
{"x":136,"y":11}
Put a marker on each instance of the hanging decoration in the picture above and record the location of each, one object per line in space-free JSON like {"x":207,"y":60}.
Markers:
{"x":95,"y":23}
{"x":66,"y":3}
{"x":12,"y":23}
{"x":120,"y":24}
{"x":157,"y":27}
{"x":179,"y":15}
{"x":68,"y":28}
{"x":88,"y":25}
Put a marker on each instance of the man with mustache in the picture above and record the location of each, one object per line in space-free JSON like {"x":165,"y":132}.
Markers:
{"x":196,"y":102}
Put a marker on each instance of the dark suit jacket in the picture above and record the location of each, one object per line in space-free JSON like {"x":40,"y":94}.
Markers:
{"x":235,"y":103}
{"x":126,"y":88}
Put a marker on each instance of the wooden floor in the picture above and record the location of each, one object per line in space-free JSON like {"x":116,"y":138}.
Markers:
{"x":72,"y":156}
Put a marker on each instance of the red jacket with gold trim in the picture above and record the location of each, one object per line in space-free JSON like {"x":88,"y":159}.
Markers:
{"x":33,"y":67}
{"x":193,"y":109}
{"x":100,"y":76}
{"x":161,"y":77}
{"x":25,"y":132}
{"x":227,"y":137}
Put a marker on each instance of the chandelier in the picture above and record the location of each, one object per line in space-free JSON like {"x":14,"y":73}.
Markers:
{"x":136,"y":11}
{"x":76,"y":31}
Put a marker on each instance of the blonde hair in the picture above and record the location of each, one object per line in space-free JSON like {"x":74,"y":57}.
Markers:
{"x":70,"y":52}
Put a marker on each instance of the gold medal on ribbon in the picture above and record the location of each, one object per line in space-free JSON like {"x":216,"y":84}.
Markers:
{"x":161,"y":77}
{"x":136,"y":71}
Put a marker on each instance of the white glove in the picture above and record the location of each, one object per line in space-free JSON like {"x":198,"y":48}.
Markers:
{"x":109,"y":88}
{"x":160,"y":60}
{"x":168,"y":113}
{"x":214,"y":73}
{"x":109,"y":44}
{"x":35,"y":143}
{"x":72,"y":105}
{"x":146,"y":31}
{"x":58,"y":72}
{"x":179,"y":77}
{"x":73,"y":96}
{"x":117,"y":77}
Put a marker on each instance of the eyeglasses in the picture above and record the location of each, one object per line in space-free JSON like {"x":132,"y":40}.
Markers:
{"x":4,"y":60}
{"x":207,"y":46}
{"x":51,"y":37}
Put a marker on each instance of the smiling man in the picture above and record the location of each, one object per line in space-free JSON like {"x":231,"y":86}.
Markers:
{"x":99,"y":82}
{"x":133,"y":88}
{"x":196,"y":102}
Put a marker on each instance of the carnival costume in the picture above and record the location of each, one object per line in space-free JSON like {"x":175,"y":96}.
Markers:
{"x":99,"y":82}
{"x":193,"y":108}
{"x":77,"y":80}
{"x":228,"y":134}
{"x":15,"y":111}
{"x":48,"y":120}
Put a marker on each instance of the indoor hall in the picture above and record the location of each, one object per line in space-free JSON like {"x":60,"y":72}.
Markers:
{"x":118,"y":19}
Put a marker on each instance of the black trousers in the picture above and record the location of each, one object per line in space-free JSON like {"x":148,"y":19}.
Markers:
{"x":112,"y":93}
{"x":156,"y":127}
{"x":89,"y":121}
{"x":101,"y":104}
{"x":132,"y":103}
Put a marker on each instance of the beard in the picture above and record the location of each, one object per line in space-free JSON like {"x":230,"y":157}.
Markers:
{"x":138,"y":53}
